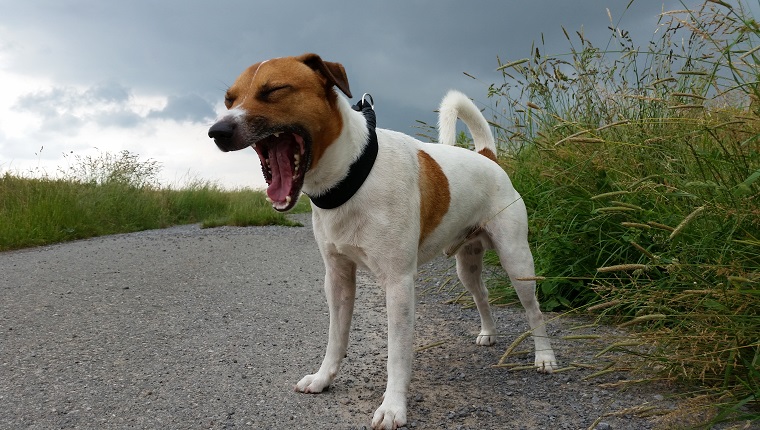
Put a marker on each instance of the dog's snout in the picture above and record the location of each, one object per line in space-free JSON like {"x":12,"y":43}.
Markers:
{"x":223,"y":133}
{"x":222,"y":130}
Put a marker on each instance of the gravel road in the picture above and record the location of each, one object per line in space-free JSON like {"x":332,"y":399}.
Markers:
{"x":184,"y":328}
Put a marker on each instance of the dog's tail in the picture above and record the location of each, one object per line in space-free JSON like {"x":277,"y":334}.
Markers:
{"x":457,"y":105}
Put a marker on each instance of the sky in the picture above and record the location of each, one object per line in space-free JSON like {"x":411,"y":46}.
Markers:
{"x":86,"y":77}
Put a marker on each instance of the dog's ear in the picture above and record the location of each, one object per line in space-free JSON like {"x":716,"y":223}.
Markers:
{"x":333,"y":72}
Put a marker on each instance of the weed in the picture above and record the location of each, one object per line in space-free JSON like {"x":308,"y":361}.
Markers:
{"x":641,"y":171}
{"x":117,"y":193}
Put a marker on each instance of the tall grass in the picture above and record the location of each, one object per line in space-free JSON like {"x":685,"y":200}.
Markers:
{"x":117,"y":193}
{"x":641,"y":169}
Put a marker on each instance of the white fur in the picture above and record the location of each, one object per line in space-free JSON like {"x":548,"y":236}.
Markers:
{"x":338,"y":156}
{"x":237,"y":113}
{"x":457,"y":105}
{"x":253,"y":80}
{"x":379,"y":229}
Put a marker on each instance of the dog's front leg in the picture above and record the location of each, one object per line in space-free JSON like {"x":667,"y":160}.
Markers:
{"x":399,"y":300}
{"x":340,"y":290}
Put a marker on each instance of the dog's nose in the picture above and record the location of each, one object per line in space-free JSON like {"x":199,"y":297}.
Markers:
{"x":222,"y":130}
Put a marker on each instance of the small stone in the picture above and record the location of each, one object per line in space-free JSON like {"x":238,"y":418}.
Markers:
{"x":603,"y":426}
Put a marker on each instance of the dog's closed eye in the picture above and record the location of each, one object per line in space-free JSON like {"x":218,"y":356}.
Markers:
{"x":229,"y":100}
{"x":268,"y":91}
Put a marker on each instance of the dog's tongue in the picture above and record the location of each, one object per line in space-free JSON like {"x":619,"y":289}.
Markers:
{"x":282,"y":172}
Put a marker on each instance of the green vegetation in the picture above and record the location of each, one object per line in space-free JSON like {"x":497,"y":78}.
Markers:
{"x":118,"y":193}
{"x":641,"y":171}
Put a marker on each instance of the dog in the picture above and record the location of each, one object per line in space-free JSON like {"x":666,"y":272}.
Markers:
{"x":407,"y":201}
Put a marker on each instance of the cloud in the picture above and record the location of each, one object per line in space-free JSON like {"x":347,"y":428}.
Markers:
{"x":408,"y":54}
{"x":109,"y":92}
{"x":189,"y":107}
{"x":57,"y":100}
{"x":121,"y":118}
{"x":140,"y":72}
{"x":66,"y":109}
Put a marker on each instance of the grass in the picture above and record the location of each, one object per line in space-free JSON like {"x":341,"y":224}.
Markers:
{"x":118,"y":193}
{"x":641,"y":171}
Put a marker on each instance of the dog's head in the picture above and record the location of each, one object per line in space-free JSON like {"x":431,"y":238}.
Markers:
{"x":285,"y":109}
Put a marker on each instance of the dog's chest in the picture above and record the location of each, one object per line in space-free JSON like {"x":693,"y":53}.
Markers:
{"x":339,"y":237}
{"x":357,"y":254}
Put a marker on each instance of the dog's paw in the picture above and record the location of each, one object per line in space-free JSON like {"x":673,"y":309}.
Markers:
{"x":312,"y":384}
{"x":391,"y":414}
{"x":546,"y":362}
{"x":485,"y":339}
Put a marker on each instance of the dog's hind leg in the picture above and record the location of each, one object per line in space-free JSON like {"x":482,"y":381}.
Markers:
{"x":469,"y":268}
{"x":509,"y":234}
{"x":516,"y":262}
{"x":340,"y":289}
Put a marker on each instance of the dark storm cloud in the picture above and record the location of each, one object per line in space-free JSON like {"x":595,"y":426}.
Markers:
{"x":109,"y":104}
{"x":188,"y":107}
{"x":406,"y":53}
{"x":53,"y":101}
{"x":108,"y":92}
{"x":120,"y":118}
{"x":64,"y":109}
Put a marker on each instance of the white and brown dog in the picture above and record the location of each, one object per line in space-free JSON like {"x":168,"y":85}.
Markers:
{"x":409,"y":201}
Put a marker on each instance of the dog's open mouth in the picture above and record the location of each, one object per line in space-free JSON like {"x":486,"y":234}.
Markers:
{"x":285,"y":157}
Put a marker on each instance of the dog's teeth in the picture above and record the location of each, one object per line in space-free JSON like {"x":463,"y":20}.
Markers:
{"x":287,"y":200}
{"x":270,"y":200}
{"x":297,"y":157}
{"x":277,"y":134}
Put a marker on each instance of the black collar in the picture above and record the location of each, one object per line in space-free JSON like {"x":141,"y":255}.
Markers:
{"x":359,"y":169}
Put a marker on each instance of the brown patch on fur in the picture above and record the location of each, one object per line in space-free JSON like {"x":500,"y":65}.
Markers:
{"x":488,"y":154}
{"x":434,"y":194}
{"x":308,"y":99}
